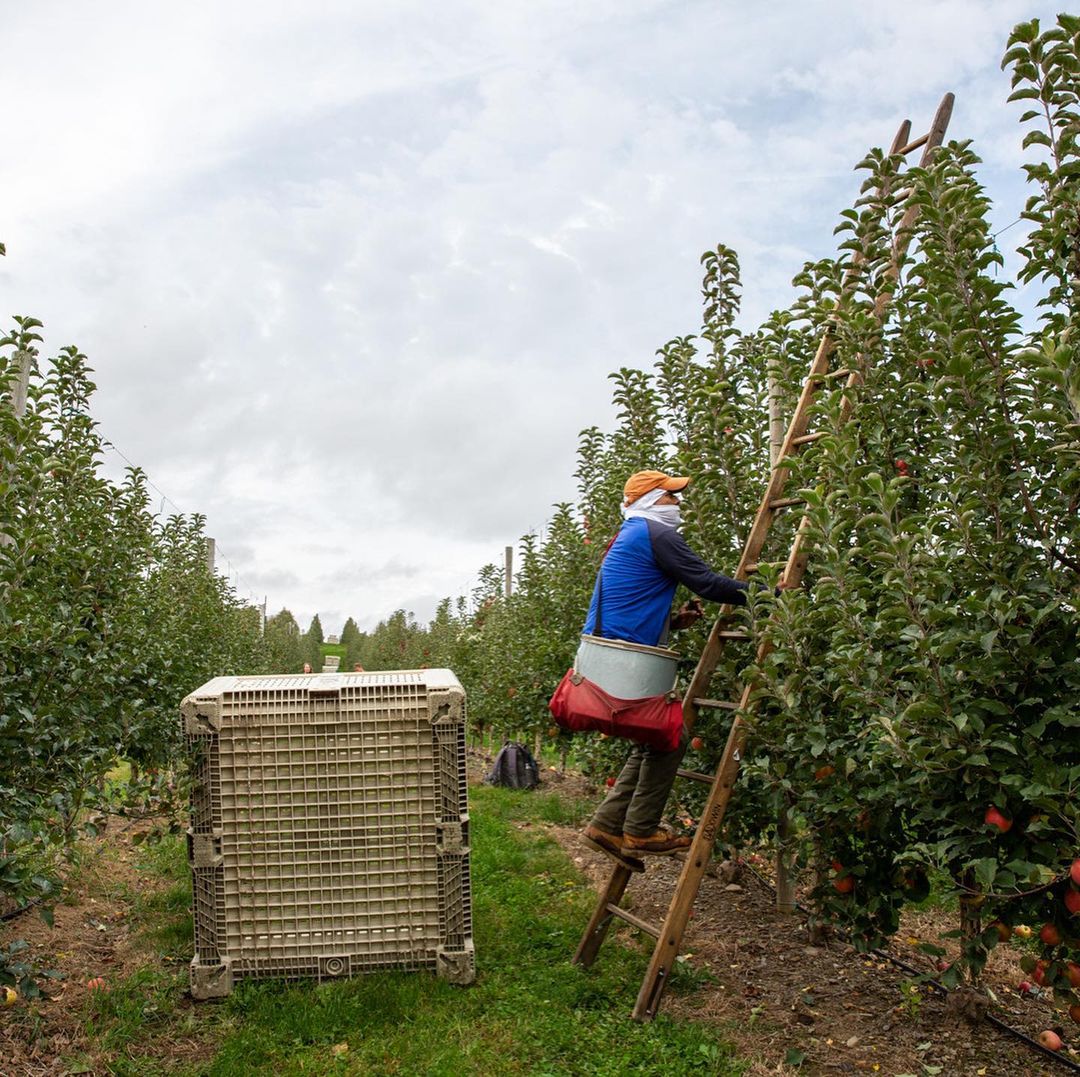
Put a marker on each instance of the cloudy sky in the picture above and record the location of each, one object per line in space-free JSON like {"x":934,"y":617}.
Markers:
{"x":352,"y":275}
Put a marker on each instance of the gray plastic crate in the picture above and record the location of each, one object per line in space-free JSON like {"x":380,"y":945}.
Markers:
{"x":329,"y":827}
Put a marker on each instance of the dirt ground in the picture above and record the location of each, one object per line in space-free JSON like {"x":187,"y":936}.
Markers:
{"x":759,"y":978}
{"x":93,"y":936}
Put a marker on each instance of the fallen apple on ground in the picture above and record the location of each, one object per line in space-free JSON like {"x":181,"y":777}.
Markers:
{"x":1050,"y":1040}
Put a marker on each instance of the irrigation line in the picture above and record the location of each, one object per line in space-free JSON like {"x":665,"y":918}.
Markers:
{"x":996,"y":1021}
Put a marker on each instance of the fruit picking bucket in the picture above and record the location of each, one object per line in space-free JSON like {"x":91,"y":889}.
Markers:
{"x":626,"y":670}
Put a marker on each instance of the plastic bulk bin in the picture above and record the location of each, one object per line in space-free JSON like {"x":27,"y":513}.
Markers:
{"x":329,"y":827}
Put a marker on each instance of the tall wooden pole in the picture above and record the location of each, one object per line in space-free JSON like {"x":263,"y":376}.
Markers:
{"x":777,"y":427}
{"x":211,"y":555}
{"x":19,"y":391}
{"x":509,"y":570}
{"x":22,"y":383}
{"x":785,"y":844}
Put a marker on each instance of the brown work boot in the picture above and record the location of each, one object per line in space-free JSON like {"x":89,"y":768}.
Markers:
{"x":608,"y":843}
{"x":660,"y":843}
{"x":611,"y":845}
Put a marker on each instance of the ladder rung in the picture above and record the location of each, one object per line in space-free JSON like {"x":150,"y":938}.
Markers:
{"x":920,"y":141}
{"x":755,"y":565}
{"x":733,"y":636}
{"x":718,"y":704}
{"x":805,"y":439}
{"x":831,"y":375}
{"x":696,"y":776}
{"x":630,"y":918}
{"x":785,"y":502}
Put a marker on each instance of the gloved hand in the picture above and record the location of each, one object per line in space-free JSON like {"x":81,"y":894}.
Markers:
{"x":687,"y":614}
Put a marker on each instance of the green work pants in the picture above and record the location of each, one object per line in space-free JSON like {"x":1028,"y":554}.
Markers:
{"x":636,"y":801}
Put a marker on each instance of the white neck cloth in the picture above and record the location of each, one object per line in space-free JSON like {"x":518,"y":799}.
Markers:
{"x":646,"y":508}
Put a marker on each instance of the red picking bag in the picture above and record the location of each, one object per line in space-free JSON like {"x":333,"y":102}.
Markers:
{"x":579,"y":706}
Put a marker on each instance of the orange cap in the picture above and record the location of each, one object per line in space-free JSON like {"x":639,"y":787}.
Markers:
{"x":641,"y":482}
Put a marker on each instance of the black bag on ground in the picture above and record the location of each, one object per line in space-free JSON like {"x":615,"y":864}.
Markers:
{"x":514,"y":767}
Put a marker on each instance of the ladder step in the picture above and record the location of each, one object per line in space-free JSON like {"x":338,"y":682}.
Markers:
{"x":805,"y":439}
{"x":785,"y":502}
{"x":733,"y":635}
{"x":718,"y":704}
{"x":920,"y":141}
{"x":696,"y":776}
{"x":830,"y":375}
{"x":755,"y":565}
{"x":636,"y":921}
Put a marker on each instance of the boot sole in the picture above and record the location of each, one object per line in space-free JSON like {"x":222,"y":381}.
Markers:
{"x":630,"y":862}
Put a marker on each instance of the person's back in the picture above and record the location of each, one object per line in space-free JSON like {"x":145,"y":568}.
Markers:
{"x":633,"y":595}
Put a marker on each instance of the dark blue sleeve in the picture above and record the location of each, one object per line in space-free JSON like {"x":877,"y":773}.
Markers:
{"x":677,"y":560}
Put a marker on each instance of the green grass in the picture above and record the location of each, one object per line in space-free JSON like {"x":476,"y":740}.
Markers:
{"x":333,"y":648}
{"x":530,"y":1011}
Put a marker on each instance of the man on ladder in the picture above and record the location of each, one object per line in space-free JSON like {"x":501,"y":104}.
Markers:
{"x":643,"y":566}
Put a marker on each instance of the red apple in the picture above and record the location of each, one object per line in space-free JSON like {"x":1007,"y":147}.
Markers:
{"x":1050,"y":1040}
{"x":1074,"y":871}
{"x":1074,"y":1012}
{"x":1072,"y":901}
{"x":609,"y":782}
{"x":1072,"y":970}
{"x":1039,"y":975}
{"x":844,"y":885}
{"x":993,"y":817}
{"x":697,"y":744}
{"x":824,"y":772}
{"x":1050,"y":934}
{"x":901,"y":464}
{"x":1024,"y":987}
{"x":1003,"y":930}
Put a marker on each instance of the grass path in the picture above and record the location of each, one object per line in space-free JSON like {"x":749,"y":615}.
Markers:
{"x":530,"y":1011}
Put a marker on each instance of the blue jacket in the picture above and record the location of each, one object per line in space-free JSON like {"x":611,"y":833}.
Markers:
{"x":645,"y":564}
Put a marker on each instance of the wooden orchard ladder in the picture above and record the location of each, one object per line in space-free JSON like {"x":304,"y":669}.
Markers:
{"x":669,"y":934}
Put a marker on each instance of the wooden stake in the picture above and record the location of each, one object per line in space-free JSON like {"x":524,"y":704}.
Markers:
{"x":21,"y":387}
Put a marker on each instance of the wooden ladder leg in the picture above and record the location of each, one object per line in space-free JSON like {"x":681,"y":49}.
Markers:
{"x":697,"y":861}
{"x":594,"y":934}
